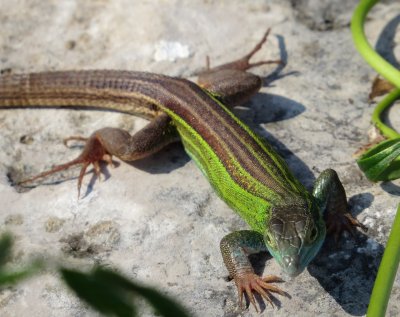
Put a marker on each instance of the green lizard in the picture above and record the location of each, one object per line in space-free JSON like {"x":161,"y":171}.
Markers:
{"x":245,"y":171}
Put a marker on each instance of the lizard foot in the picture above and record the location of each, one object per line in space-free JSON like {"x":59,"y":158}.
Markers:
{"x":93,"y":153}
{"x":251,"y":282}
{"x":244,"y":62}
{"x":336,"y":223}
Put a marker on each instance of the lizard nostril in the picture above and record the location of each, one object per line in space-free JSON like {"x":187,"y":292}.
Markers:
{"x":291,"y":265}
{"x":289,"y":261}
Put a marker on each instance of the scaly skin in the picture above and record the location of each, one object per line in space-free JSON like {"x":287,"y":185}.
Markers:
{"x":243,"y":169}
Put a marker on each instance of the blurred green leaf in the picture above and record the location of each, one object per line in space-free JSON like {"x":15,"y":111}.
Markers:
{"x":163,"y":305}
{"x":5,"y":248}
{"x":382,"y":162}
{"x":9,"y":278}
{"x":106,"y":291}
{"x":105,"y":298}
{"x":111,"y":293}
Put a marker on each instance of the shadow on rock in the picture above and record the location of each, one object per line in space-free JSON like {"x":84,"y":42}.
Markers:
{"x":386,"y":42}
{"x":360,"y":202}
{"x":165,"y":161}
{"x":277,"y":74}
{"x":347,"y":272}
{"x":391,"y":188}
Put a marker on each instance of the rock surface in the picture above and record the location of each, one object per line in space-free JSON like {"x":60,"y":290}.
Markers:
{"x":158,"y":220}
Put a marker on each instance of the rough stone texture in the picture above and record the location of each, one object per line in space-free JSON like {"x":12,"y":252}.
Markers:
{"x":158,"y":221}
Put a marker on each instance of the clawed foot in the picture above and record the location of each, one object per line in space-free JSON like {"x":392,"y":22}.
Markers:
{"x":340,"y":222}
{"x":251,"y":282}
{"x":244,"y":62}
{"x":93,"y":153}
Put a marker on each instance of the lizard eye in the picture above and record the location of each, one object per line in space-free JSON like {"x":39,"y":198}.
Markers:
{"x":313,"y":234}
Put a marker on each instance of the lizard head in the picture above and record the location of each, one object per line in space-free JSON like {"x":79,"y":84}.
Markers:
{"x":294,"y":236}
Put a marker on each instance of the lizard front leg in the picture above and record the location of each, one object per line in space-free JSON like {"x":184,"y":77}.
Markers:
{"x":108,"y":142}
{"x":329,"y":192}
{"x":235,"y":247}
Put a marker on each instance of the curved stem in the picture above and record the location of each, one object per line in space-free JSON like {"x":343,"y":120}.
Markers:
{"x":377,"y":62}
{"x":364,"y":48}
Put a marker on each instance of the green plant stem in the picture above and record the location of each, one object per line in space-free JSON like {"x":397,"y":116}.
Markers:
{"x":381,"y":106}
{"x":373,"y":58}
{"x":387,"y":272}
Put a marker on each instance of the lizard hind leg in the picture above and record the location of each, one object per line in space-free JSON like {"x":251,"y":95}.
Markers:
{"x":230,"y":82}
{"x":244,"y":62}
{"x":93,"y":153}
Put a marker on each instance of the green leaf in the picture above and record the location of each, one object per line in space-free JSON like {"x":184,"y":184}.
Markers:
{"x":5,"y":248}
{"x":382,"y":162}
{"x":161,"y":303}
{"x":104,"y":297}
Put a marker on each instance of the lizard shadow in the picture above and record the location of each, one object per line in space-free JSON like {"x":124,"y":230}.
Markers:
{"x":170,"y":158}
{"x":277,"y":73}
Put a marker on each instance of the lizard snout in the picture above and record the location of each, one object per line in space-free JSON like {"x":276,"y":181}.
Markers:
{"x":291,"y":265}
